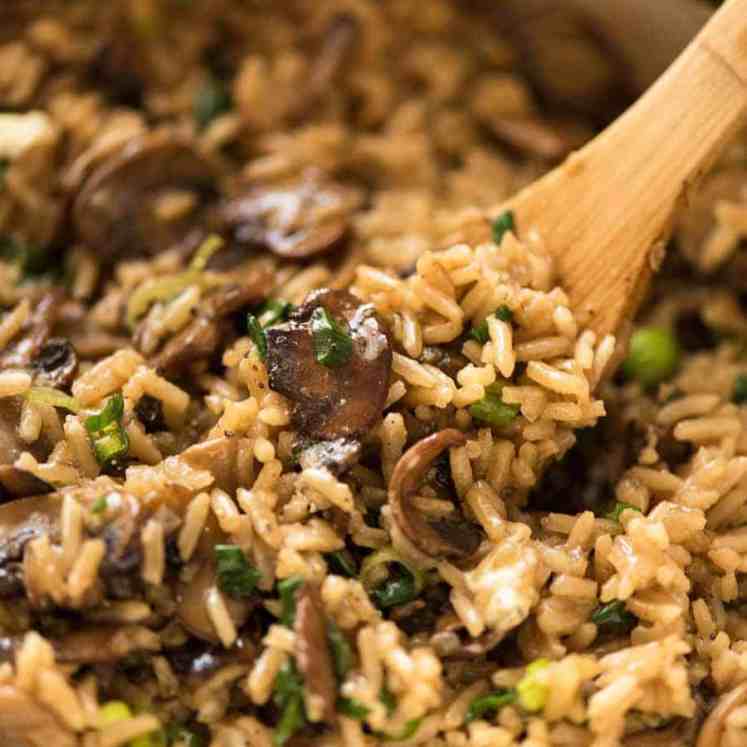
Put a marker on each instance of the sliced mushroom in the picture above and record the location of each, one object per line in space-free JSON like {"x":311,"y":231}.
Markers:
{"x":14,"y":482}
{"x":25,"y":723}
{"x":212,"y":328}
{"x":295,"y":221}
{"x":23,"y":352}
{"x":312,"y":650}
{"x":449,"y":625}
{"x":116,"y":211}
{"x":435,"y":537}
{"x":56,"y":363}
{"x":192,"y":608}
{"x":331,"y":403}
{"x":715,"y":725}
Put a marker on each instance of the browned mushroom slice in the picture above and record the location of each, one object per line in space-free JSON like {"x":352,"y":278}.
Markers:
{"x":56,"y":363}
{"x":25,"y":723}
{"x":713,"y":729}
{"x":337,"y":456}
{"x":23,"y":351}
{"x":434,"y":537}
{"x":192,"y":608}
{"x":294,"y":221}
{"x":331,"y":403}
{"x":211,"y":330}
{"x":14,"y":482}
{"x":117,"y":210}
{"x":312,"y":650}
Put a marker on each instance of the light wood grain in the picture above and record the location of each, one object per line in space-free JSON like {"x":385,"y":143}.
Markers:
{"x":607,"y":212}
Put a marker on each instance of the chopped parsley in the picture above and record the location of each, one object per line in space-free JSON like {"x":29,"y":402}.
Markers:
{"x":287,"y":589}
{"x":502,"y":224}
{"x":236,"y":576}
{"x":615,"y":512}
{"x":491,"y":409}
{"x":108,"y":436}
{"x":333,"y":346}
{"x":739,"y":396}
{"x":613,"y":617}
{"x":212,"y":100}
{"x":257,"y":335}
{"x":489,"y":703}
{"x":288,"y":697}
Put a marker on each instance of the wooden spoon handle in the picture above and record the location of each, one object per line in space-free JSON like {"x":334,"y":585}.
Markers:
{"x":607,"y":211}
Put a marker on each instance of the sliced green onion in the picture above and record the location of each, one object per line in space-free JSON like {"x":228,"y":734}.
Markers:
{"x":45,"y":395}
{"x":490,"y":703}
{"x":480,"y":333}
{"x":653,"y":357}
{"x":342,"y":563}
{"x":504,"y":313}
{"x":235,"y":575}
{"x":739,"y":396}
{"x":352,"y":708}
{"x":614,"y":513}
{"x":159,"y":289}
{"x":205,"y":251}
{"x":408,"y":730}
{"x":333,"y":346}
{"x":493,"y":410}
{"x":288,"y":697}
{"x":342,"y":653}
{"x":112,"y":712}
{"x":212,"y":100}
{"x":257,"y":335}
{"x":613,"y":617}
{"x":392,"y":592}
{"x":287,"y":589}
{"x":502,"y":224}
{"x":533,"y":688}
{"x":273,"y":311}
{"x":108,"y":437}
{"x":100,"y":505}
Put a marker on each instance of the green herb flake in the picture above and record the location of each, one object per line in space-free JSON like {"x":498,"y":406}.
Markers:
{"x":342,"y":563}
{"x":236,"y":576}
{"x":100,"y":505}
{"x":504,"y":313}
{"x":502,"y":224}
{"x":396,"y":592}
{"x":492,"y":410}
{"x":408,"y":730}
{"x":342,"y":653}
{"x":480,"y":333}
{"x":287,"y":589}
{"x":273,"y":311}
{"x":212,"y":100}
{"x":389,"y":701}
{"x":333,"y":346}
{"x":489,"y":704}
{"x":739,"y":396}
{"x":532,"y":688}
{"x":352,"y":708}
{"x":257,"y":335}
{"x":616,"y":511}
{"x":288,"y":697}
{"x":108,"y":437}
{"x":613,"y":617}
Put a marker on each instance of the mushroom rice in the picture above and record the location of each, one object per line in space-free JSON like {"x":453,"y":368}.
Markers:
{"x":300,"y":440}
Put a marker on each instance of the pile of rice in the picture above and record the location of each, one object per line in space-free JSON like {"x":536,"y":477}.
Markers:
{"x":97,"y":570}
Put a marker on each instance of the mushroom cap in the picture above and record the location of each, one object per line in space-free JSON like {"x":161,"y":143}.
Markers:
{"x":434,"y":537}
{"x":331,"y":403}
{"x":113,"y":212}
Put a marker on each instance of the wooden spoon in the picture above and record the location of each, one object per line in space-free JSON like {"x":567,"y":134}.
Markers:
{"x":606,"y":213}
